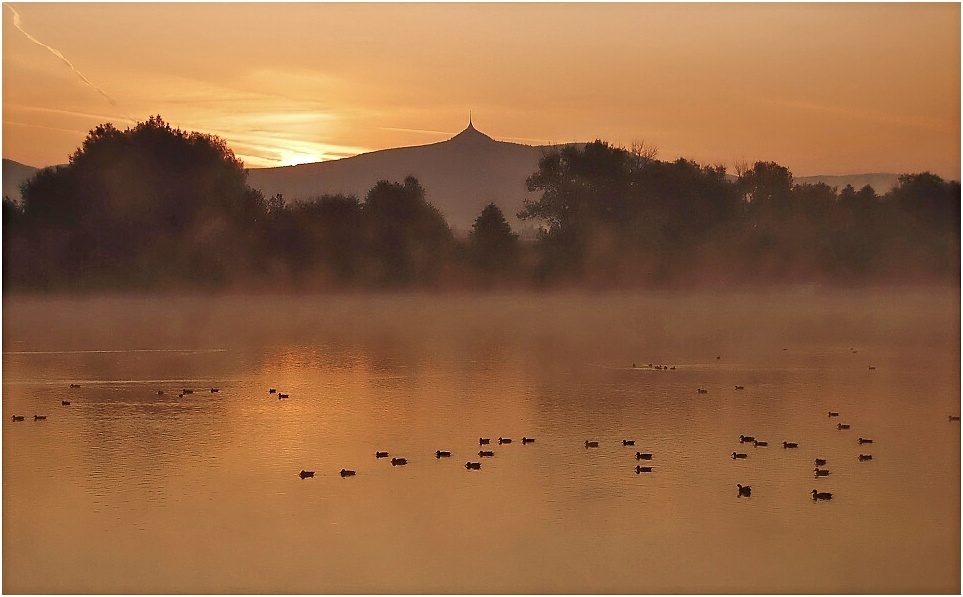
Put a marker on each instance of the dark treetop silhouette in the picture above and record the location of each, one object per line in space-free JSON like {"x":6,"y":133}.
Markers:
{"x":156,"y":207}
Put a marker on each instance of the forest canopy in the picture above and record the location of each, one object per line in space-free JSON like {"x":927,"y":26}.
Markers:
{"x":154,"y":206}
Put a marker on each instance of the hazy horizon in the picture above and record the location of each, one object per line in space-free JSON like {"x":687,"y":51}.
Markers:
{"x":826,"y":90}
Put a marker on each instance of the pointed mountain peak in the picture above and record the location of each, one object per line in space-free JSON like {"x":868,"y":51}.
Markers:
{"x":471,"y":134}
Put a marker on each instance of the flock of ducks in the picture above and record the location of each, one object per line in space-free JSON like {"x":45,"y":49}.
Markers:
{"x":746,"y":490}
{"x":742,"y":490}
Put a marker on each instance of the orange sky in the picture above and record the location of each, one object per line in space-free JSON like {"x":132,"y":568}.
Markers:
{"x":824,"y":89}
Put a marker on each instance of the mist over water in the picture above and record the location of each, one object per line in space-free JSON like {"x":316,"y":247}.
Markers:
{"x":126,"y":490}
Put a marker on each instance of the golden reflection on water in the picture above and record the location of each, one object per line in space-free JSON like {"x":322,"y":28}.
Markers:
{"x":128,"y":491}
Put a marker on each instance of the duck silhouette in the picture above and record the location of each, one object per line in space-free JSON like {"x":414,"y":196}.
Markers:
{"x":485,"y":453}
{"x":399,"y":461}
{"x":864,"y":457}
{"x":346,"y":473}
{"x":473,"y":466}
{"x":643,"y":469}
{"x":821,"y":495}
{"x":381,"y":454}
{"x":744,"y":490}
{"x":591,"y":444}
{"x":442,"y":454}
{"x":643,"y":456}
{"x":737,"y":455}
{"x":306,"y":474}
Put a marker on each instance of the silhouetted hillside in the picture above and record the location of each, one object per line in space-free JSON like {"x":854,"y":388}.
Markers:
{"x":461,"y":175}
{"x":14,"y":175}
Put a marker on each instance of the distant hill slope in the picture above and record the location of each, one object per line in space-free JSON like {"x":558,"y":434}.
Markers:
{"x":880,"y":181}
{"x":460,"y":175}
{"x":14,"y":174}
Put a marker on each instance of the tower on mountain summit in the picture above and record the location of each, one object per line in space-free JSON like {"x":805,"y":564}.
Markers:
{"x":471,"y":133}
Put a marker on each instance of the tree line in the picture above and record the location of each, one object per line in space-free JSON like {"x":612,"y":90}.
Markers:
{"x":153,"y":207}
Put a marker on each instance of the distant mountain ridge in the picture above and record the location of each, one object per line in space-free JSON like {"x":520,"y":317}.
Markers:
{"x":14,"y":175}
{"x":461,"y":175}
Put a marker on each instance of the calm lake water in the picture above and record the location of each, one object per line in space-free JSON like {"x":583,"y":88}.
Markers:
{"x":128,"y":491}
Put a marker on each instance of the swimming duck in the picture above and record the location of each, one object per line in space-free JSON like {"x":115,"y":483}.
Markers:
{"x":486,"y":453}
{"x":504,"y":440}
{"x":745,"y":439}
{"x":484,"y":440}
{"x":75,"y":385}
{"x":399,"y":461}
{"x":346,"y":473}
{"x":817,"y":495}
{"x":591,"y":444}
{"x":528,"y":440}
{"x":842,"y":426}
{"x":643,"y":469}
{"x":740,"y":387}
{"x":863,"y":457}
{"x":305,"y":474}
{"x":864,"y":440}
{"x":703,"y":391}
{"x":65,"y":403}
{"x":40,"y":417}
{"x":272,"y":391}
{"x":833,"y":414}
{"x":790,"y":445}
{"x":473,"y":466}
{"x":820,"y":461}
{"x":744,"y":490}
{"x":17,"y":418}
{"x":821,"y":472}
{"x":643,"y":456}
{"x":760,"y":444}
{"x":215,"y":390}
{"x":736,"y":455}
{"x":282,"y":396}
{"x":954,"y":418}
{"x":381,"y":454}
{"x":628,"y":442}
{"x":442,"y":454}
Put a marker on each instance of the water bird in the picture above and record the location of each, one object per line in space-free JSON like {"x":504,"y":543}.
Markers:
{"x":381,"y":454}
{"x":736,"y":455}
{"x":504,"y":440}
{"x":790,"y":445}
{"x":591,"y":444}
{"x":643,"y":469}
{"x":473,"y":466}
{"x":485,"y":453}
{"x":820,"y":461}
{"x":821,"y":472}
{"x":863,"y":457}
{"x":718,"y":357}
{"x":305,"y":474}
{"x":760,"y":444}
{"x":160,"y":392}
{"x":817,"y":495}
{"x":672,"y":367}
{"x":65,"y":403}
{"x":17,"y":418}
{"x":399,"y":461}
{"x":272,"y":391}
{"x":628,"y":442}
{"x":442,"y":454}
{"x":528,"y":440}
{"x":833,"y":414}
{"x":215,"y":390}
{"x":40,"y":417}
{"x":187,"y":391}
{"x":346,"y":473}
{"x":643,"y":456}
{"x":842,"y":426}
{"x":740,"y":387}
{"x":954,"y":418}
{"x":75,"y":385}
{"x":745,"y":439}
{"x":282,"y":396}
{"x":484,"y":440}
{"x":702,"y":391}
{"x":872,"y":367}
{"x":864,"y":440}
{"x":744,"y":490}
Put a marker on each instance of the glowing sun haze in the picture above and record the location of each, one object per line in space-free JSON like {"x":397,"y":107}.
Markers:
{"x":824,"y":89}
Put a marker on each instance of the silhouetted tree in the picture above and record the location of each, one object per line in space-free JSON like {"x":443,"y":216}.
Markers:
{"x":492,"y":244}
{"x":408,"y":240}
{"x":147,"y":203}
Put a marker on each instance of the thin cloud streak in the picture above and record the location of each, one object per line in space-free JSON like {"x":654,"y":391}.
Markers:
{"x":58,"y":54}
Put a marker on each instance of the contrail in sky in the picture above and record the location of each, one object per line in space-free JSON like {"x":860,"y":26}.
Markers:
{"x":58,"y":54}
